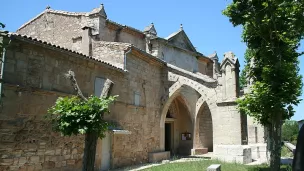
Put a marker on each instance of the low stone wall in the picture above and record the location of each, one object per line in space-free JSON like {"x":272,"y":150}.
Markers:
{"x":199,"y":151}
{"x":259,"y":152}
{"x":159,"y":156}
{"x":233,"y":153}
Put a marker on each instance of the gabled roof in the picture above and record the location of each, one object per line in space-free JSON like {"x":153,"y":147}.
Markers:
{"x":214,"y":56}
{"x":150,"y":29}
{"x":50,"y":45}
{"x":181,"y":35}
{"x":126,"y":47}
{"x":230,"y":57}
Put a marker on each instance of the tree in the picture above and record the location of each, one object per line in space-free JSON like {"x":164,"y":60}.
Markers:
{"x":1,"y":35}
{"x":272,"y":30}
{"x":2,"y":25}
{"x":290,"y":131}
{"x":244,"y":73}
{"x":80,"y":115}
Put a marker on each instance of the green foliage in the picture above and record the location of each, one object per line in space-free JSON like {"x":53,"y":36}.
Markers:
{"x":243,"y":79}
{"x":2,"y":25}
{"x":244,"y":76}
{"x":272,"y":30}
{"x":73,"y":116}
{"x":290,"y":131}
{"x":1,"y":38}
{"x":285,"y":152}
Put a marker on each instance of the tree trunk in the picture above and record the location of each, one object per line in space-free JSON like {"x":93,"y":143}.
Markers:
{"x":276,"y":143}
{"x":89,"y":152}
{"x":88,"y":161}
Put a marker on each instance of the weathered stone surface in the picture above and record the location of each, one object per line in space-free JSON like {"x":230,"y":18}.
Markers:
{"x":158,"y":82}
{"x":199,"y":151}
{"x":158,"y":156}
{"x":233,"y":153}
{"x":214,"y":167}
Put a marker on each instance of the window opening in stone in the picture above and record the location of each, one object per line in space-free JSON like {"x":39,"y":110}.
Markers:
{"x":98,"y":86}
{"x":136,"y":98}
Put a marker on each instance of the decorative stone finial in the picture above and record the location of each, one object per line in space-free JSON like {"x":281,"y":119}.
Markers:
{"x":102,"y":11}
{"x":229,"y":55}
{"x":181,"y":27}
{"x":213,"y":56}
{"x":150,"y":29}
{"x":48,"y":7}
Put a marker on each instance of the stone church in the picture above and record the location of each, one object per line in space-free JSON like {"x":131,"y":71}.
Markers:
{"x":173,"y":100}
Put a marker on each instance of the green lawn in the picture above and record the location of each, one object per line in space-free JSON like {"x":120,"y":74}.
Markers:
{"x":202,"y":166}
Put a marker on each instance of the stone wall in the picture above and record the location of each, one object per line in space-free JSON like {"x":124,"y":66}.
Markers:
{"x":142,"y":120}
{"x":255,"y":131}
{"x":179,"y":58}
{"x":227,"y":125}
{"x":65,"y":28}
{"x":137,"y":41}
{"x":34,"y":78}
{"x":111,"y":52}
{"x":59,"y":29}
{"x":27,"y":141}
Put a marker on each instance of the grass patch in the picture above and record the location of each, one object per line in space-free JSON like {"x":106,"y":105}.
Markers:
{"x":202,"y":165}
{"x":285,"y":152}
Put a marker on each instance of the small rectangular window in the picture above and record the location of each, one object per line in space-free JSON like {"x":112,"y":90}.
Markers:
{"x":136,"y":98}
{"x":98,"y":86}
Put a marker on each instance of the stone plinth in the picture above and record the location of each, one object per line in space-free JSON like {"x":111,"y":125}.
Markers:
{"x":199,"y":151}
{"x":214,"y":167}
{"x":259,"y":152}
{"x":159,"y":156}
{"x":233,"y":153}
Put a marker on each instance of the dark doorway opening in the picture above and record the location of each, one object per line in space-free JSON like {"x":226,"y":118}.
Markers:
{"x":168,"y":137}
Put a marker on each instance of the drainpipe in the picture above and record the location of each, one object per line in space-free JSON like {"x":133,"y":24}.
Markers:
{"x":2,"y":67}
{"x":125,"y":58}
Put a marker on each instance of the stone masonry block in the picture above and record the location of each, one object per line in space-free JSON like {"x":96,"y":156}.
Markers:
{"x":159,"y":156}
{"x":214,"y":167}
{"x":235,"y":153}
{"x":199,"y":151}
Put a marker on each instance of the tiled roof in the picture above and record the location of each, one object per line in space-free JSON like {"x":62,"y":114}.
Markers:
{"x":35,"y":40}
{"x":172,"y":35}
{"x":125,"y":45}
{"x":197,"y":75}
{"x":76,"y":14}
{"x":125,"y":26}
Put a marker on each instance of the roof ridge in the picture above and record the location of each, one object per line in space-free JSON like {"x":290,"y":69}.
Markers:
{"x":67,"y":12}
{"x":48,"y":10}
{"x":173,"y":34}
{"x":132,"y":28}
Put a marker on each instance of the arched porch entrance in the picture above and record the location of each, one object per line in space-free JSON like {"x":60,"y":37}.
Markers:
{"x":202,"y":130}
{"x":178,"y":128}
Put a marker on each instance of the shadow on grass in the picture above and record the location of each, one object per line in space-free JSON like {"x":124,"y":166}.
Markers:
{"x":267,"y":168}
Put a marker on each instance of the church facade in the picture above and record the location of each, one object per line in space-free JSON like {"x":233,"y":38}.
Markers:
{"x":173,"y":100}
